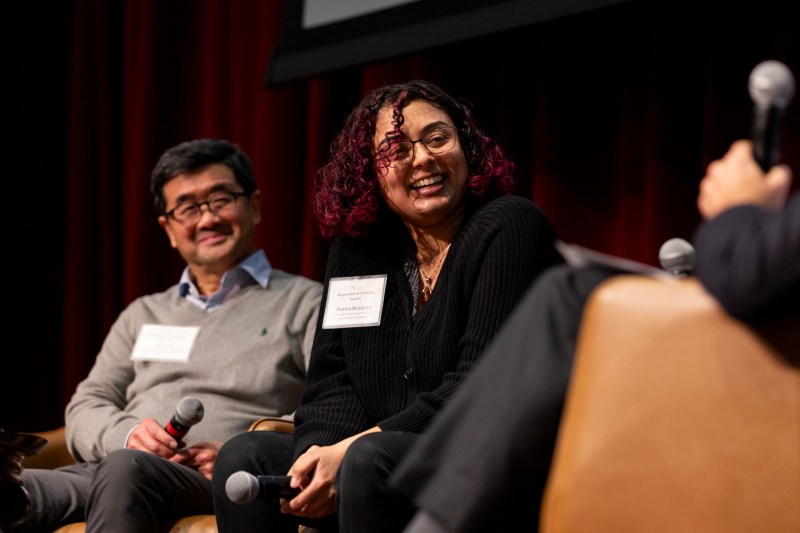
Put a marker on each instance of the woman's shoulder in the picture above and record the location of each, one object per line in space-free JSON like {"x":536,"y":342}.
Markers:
{"x":364,"y":255}
{"x":515,"y":217}
{"x":509,"y":208}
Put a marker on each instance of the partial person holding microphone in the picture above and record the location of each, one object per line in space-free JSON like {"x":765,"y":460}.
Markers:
{"x":183,"y":370}
{"x":475,"y":471}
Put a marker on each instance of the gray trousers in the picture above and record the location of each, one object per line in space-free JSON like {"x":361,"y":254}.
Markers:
{"x":128,"y":491}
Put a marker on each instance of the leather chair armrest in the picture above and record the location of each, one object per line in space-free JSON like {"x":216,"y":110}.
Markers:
{"x":195,"y":524}
{"x":77,"y":527}
{"x":280,"y":425}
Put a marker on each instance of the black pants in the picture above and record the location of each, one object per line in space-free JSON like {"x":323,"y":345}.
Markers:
{"x":482,"y":464}
{"x":364,"y":503}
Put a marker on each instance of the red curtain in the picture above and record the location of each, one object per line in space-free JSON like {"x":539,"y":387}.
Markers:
{"x":611,"y":117}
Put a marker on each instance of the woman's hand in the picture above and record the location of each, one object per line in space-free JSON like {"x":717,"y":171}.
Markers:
{"x":315,"y":473}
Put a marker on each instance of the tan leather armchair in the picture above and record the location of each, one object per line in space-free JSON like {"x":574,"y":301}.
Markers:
{"x":55,"y":454}
{"x":678,"y":418}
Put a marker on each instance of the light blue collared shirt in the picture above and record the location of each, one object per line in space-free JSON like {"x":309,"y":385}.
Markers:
{"x":254,"y":269}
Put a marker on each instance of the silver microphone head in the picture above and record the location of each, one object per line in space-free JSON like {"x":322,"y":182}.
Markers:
{"x":189,"y":411}
{"x":677,"y":257}
{"x":771,"y":84}
{"x":241,"y":487}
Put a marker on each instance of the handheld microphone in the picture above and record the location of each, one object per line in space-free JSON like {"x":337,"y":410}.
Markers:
{"x":188,"y":412}
{"x":243,"y":487}
{"x":677,"y":257}
{"x":771,"y":86}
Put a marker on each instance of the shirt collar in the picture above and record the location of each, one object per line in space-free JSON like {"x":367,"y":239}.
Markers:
{"x":255,"y":269}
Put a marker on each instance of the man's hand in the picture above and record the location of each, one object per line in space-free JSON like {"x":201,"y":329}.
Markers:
{"x":200,"y":456}
{"x":150,"y":437}
{"x":736,"y":179}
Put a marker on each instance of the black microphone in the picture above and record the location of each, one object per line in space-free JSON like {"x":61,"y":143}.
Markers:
{"x":188,"y":412}
{"x":243,"y":487}
{"x":677,"y":257}
{"x":771,"y":87}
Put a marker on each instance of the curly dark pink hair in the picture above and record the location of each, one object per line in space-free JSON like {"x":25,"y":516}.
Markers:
{"x":348,"y":199}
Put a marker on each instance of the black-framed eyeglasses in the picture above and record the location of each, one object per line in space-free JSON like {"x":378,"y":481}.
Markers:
{"x":398,"y":153}
{"x":220,"y":203}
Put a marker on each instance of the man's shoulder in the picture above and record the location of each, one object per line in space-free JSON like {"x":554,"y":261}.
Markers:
{"x":293,"y":286}
{"x":285,"y":279}
{"x":145,"y":307}
{"x":165,"y":297}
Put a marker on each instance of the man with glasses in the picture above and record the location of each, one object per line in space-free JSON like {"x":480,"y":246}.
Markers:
{"x":234,"y":333}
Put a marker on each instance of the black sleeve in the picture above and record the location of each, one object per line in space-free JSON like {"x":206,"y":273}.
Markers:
{"x":749,"y":259}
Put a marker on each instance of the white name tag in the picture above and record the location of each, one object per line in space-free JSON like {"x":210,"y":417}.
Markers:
{"x":164,"y":343}
{"x":355,"y":302}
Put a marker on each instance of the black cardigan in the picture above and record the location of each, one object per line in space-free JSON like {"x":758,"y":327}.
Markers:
{"x":399,"y":374}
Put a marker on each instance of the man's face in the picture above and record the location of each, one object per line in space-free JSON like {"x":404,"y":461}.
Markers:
{"x":215,"y":242}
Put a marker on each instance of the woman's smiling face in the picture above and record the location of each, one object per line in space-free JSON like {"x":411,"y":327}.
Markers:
{"x":430,"y":188}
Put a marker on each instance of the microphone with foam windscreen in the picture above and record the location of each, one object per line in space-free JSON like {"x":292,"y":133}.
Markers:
{"x":771,"y":87}
{"x":677,"y":257}
{"x":243,"y":487}
{"x":188,"y":412}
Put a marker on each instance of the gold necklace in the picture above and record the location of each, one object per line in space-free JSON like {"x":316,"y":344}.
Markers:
{"x":427,"y":280}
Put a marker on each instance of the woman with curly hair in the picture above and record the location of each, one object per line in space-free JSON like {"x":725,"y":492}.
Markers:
{"x":431,"y":254}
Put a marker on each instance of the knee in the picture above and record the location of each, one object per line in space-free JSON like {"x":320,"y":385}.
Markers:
{"x":362,"y":453}
{"x":565,"y":287}
{"x":256,"y":452}
{"x":365,"y":460}
{"x":356,"y":476}
{"x":242,"y":445}
{"x":124,"y":464}
{"x":236,"y":454}
{"x":553,"y":280}
{"x":364,"y":500}
{"x":119,"y":478}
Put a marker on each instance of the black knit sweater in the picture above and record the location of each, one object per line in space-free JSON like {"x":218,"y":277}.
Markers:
{"x":399,"y":374}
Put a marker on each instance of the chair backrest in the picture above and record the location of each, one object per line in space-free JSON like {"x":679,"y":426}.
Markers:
{"x":678,"y":418}
{"x":54,"y":453}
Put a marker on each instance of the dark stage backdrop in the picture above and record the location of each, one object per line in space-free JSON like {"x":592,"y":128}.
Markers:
{"x":611,"y":116}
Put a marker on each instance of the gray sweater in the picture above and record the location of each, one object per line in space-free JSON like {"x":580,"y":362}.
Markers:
{"x":248,"y":361}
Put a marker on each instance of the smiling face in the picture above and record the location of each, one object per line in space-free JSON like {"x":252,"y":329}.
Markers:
{"x":430,"y":190}
{"x":216,"y":242}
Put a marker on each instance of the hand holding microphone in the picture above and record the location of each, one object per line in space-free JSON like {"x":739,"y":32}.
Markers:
{"x":148,"y":434}
{"x":736,"y":179}
{"x":747,"y":173}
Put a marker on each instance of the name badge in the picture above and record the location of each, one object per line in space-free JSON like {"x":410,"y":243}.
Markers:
{"x":355,"y":302}
{"x":164,"y":343}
